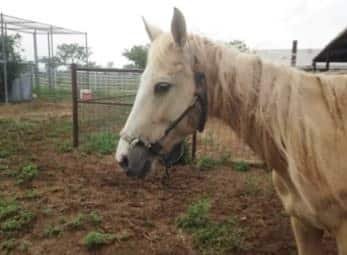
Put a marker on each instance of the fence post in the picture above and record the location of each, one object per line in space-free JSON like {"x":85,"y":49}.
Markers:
{"x":194,"y":146}
{"x":74,"y":105}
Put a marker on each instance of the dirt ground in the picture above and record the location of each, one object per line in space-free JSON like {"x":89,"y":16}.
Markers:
{"x":71,"y":182}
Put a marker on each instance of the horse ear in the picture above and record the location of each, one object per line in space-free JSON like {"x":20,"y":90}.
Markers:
{"x":178,"y":28}
{"x":152,"y":31}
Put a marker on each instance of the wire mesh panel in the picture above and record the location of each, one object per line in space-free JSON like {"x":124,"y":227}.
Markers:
{"x":104,"y":97}
{"x":219,"y":141}
{"x":102,"y":102}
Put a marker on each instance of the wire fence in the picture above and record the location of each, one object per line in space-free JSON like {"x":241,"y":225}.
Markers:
{"x":103,"y":99}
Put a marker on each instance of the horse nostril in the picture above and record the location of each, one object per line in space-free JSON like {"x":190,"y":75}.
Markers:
{"x":124,"y":162}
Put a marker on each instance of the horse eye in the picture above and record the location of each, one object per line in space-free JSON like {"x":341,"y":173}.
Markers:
{"x":162,"y":87}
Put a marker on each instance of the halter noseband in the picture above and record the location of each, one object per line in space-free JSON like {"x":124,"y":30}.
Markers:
{"x":200,"y":98}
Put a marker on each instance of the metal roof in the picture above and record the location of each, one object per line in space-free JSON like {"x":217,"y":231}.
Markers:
{"x":335,"y":51}
{"x":29,"y":26}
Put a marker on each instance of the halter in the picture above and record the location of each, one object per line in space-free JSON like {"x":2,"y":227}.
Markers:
{"x":200,"y":98}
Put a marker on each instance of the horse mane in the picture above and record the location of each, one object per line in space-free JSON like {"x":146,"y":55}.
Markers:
{"x":293,"y":119}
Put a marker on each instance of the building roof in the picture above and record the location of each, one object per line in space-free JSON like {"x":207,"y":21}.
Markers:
{"x":335,"y":51}
{"x":304,"y":57}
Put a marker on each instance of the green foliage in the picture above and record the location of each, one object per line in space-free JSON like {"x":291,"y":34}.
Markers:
{"x":13,"y":217}
{"x":196,"y":216}
{"x":137,"y":55}
{"x":31,"y":194}
{"x":102,"y":143}
{"x":206,"y":163}
{"x":14,"y":66}
{"x":77,"y":223}
{"x":4,"y":153}
{"x":95,"y":218}
{"x":64,"y":147}
{"x":241,"y":166}
{"x":240,"y":45}
{"x":219,"y":238}
{"x":27,"y":173}
{"x":95,"y":239}
{"x":72,"y":53}
{"x":208,"y":236}
{"x":8,"y":208}
{"x":52,"y":62}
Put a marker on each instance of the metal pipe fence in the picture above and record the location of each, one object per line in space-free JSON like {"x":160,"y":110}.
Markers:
{"x":102,"y":99}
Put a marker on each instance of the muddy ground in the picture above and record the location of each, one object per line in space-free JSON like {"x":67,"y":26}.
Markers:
{"x":142,"y":214}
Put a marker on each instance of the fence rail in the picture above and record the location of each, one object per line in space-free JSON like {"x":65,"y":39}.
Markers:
{"x":106,"y":108}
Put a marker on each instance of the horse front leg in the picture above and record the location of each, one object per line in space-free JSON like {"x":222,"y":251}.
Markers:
{"x":308,"y":238}
{"x":341,"y":239}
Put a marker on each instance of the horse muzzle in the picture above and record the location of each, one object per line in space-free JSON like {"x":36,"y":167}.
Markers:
{"x":137,"y":162}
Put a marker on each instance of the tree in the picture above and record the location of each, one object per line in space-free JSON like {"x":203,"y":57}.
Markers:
{"x":240,"y":45}
{"x":137,"y":55}
{"x":72,"y":53}
{"x":54,"y":62}
{"x":14,"y":59}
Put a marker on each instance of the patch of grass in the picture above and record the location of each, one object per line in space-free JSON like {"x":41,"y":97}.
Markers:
{"x":52,"y":231}
{"x":77,"y":223}
{"x":219,"y":238}
{"x":95,"y":218}
{"x":241,"y":166}
{"x":64,"y":147}
{"x":13,"y":217}
{"x":95,"y":239}
{"x":196,"y":216}
{"x":4,"y":153}
{"x":210,"y":237}
{"x":22,"y":219}
{"x":31,"y":194}
{"x":8,"y":208}
{"x":27,"y":173}
{"x":207,"y":163}
{"x":103,"y":143}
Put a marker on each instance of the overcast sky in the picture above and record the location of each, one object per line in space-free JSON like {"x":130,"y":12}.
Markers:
{"x":115,"y":25}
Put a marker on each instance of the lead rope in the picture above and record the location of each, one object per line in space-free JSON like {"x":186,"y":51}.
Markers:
{"x":165,"y":180}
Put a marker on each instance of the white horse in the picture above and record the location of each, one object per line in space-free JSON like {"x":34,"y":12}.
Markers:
{"x":295,"y":121}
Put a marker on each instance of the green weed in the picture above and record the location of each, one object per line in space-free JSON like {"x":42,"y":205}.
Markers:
{"x":95,"y":218}
{"x":208,"y":236}
{"x":27,"y":173}
{"x":64,"y":147}
{"x":102,"y":143}
{"x":22,"y":219}
{"x":206,"y":163}
{"x":31,"y":194}
{"x":95,"y":239}
{"x":241,"y":166}
{"x":77,"y":223}
{"x":196,"y":216}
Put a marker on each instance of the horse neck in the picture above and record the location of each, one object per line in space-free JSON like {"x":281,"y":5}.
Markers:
{"x":233,"y":79}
